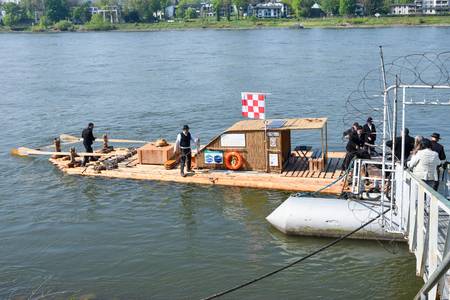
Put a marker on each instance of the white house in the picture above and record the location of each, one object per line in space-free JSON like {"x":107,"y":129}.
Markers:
{"x":269,"y":10}
{"x":403,"y":9}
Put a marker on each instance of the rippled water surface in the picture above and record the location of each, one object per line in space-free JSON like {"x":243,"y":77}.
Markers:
{"x":119,"y":239}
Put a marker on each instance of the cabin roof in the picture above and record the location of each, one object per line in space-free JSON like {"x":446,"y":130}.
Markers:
{"x":289,"y":124}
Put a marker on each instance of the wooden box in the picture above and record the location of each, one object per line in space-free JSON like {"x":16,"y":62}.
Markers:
{"x":150,"y":154}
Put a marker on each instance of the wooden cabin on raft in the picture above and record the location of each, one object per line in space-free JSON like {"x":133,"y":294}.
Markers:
{"x":264,"y":145}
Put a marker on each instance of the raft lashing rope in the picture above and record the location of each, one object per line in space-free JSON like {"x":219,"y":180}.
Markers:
{"x":323,"y":248}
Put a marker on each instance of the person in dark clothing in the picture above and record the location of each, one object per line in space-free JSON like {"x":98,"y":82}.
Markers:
{"x":371,"y":133}
{"x":355,"y":147}
{"x":359,"y":138}
{"x":88,"y":140}
{"x":436,"y":147}
{"x":409,"y":145}
{"x":350,"y":131}
{"x":183,"y":146}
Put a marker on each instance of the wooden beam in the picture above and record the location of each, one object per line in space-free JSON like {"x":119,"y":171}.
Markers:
{"x":23,"y":151}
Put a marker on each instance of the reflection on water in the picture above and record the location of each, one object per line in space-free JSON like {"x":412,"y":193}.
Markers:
{"x":126,"y":239}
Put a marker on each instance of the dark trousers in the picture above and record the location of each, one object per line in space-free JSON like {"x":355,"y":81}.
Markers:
{"x":185,"y":160}
{"x":88,"y":150}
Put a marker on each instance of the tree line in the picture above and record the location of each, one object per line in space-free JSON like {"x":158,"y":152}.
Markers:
{"x":132,"y":11}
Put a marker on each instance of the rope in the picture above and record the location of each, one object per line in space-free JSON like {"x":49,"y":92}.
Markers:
{"x":350,"y":166}
{"x":240,"y":286}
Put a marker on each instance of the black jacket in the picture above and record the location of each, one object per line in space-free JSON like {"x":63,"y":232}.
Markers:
{"x":88,"y":137}
{"x":371,"y":133}
{"x":409,"y":146}
{"x":359,"y":140}
{"x":349,"y":132}
{"x":436,"y":147}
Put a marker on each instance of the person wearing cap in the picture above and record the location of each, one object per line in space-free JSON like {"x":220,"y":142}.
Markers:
{"x":371,"y":133}
{"x":88,"y":140}
{"x":435,"y":146}
{"x":183,"y":146}
{"x":425,"y":163}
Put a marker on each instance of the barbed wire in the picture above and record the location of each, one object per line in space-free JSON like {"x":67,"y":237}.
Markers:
{"x":428,"y":68}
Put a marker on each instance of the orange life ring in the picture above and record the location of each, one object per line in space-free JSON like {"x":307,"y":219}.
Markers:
{"x":233,"y":160}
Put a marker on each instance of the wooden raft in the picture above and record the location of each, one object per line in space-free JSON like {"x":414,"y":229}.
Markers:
{"x":288,"y":181}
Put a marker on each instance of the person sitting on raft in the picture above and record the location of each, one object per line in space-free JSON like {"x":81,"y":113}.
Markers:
{"x":183,"y":146}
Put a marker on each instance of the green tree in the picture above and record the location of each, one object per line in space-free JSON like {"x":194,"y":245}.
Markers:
{"x":330,"y":6}
{"x":241,"y":5}
{"x":97,"y":23}
{"x":141,"y":8}
{"x":373,"y":6}
{"x":183,"y":5}
{"x":302,"y":8}
{"x":81,"y":14}
{"x":56,"y":10}
{"x":13,"y":14}
{"x":190,"y":13}
{"x":347,"y":7}
{"x":32,"y":8}
{"x":217,"y":5}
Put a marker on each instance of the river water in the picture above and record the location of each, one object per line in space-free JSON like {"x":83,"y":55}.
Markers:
{"x":67,"y":236}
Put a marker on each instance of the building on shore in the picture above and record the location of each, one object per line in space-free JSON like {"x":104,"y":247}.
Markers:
{"x":421,"y":7}
{"x":403,"y":9}
{"x":109,"y":13}
{"x":269,"y":10}
{"x":316,"y":11}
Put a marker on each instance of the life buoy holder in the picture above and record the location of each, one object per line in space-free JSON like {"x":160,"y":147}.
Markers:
{"x":233,"y":160}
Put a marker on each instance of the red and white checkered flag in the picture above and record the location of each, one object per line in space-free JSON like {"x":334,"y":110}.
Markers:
{"x":253,"y":105}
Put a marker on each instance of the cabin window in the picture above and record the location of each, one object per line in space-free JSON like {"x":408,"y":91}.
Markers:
{"x":232,"y":140}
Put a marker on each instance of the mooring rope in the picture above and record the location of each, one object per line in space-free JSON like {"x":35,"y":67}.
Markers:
{"x":343,"y":175}
{"x":240,"y":286}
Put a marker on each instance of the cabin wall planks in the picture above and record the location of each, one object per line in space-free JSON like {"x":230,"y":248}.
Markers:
{"x":278,"y":142}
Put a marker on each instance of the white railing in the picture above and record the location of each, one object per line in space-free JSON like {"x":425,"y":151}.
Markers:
{"x":423,"y":215}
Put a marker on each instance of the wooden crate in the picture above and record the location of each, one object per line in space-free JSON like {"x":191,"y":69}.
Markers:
{"x":150,"y":154}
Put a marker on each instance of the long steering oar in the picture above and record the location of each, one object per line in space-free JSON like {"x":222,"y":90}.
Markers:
{"x":24,"y":151}
{"x":71,"y":138}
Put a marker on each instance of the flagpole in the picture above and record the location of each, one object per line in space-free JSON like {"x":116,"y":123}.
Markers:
{"x":265,"y":145}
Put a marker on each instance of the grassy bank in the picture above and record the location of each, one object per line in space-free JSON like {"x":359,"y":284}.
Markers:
{"x":275,"y":23}
{"x":286,"y":23}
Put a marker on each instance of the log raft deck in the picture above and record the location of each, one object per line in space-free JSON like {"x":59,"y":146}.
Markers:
{"x":270,"y":161}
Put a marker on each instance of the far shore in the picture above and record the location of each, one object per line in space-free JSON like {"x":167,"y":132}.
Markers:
{"x":332,"y":23}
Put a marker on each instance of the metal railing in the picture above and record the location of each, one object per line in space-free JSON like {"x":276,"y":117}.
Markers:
{"x":424,"y":215}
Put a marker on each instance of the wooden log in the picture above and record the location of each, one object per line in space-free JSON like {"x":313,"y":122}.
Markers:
{"x":24,"y":151}
{"x":71,"y":138}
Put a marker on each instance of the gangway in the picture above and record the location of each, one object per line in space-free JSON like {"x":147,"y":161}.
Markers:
{"x":419,"y":213}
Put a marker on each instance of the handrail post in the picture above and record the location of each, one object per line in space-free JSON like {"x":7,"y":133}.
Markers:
{"x":420,"y":234}
{"x":433,"y":240}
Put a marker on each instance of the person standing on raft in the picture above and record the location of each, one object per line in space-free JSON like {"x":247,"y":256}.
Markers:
{"x":183,"y":146}
{"x":88,"y":140}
